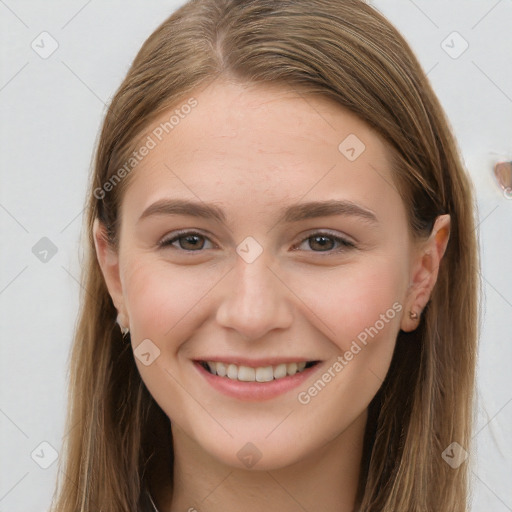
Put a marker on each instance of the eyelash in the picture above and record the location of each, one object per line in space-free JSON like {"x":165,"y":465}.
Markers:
{"x":345,"y":244}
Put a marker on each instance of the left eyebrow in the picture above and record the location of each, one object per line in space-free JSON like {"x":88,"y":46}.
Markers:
{"x":313,"y":209}
{"x":289,"y":214}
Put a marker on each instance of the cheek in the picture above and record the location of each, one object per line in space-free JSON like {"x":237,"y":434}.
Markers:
{"x":360,"y":302}
{"x":374,"y":300}
{"x":160,"y":301}
{"x":362,"y":307}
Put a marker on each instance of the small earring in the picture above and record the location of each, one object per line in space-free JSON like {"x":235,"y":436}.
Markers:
{"x":413,"y":315}
{"x":124,"y":330}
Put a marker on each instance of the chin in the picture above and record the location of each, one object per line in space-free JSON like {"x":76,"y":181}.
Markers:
{"x":258,"y":453}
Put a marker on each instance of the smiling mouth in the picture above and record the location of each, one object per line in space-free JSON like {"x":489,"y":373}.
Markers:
{"x":259,"y":374}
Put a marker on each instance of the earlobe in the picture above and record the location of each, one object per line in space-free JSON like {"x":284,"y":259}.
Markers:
{"x":425,"y":273}
{"x":108,"y":260}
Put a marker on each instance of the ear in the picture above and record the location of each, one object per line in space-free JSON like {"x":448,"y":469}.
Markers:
{"x":108,"y":259}
{"x":425,"y":270}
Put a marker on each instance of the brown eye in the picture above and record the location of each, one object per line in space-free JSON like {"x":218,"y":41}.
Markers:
{"x":325,"y":242}
{"x":321,"y":242}
{"x":190,"y":241}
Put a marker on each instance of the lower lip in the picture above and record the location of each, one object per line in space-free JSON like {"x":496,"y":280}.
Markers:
{"x":256,"y":391}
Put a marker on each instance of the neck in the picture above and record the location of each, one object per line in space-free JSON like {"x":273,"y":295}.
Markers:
{"x":325,"y":480}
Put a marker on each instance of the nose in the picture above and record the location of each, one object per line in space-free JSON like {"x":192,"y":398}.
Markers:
{"x":255,"y":300}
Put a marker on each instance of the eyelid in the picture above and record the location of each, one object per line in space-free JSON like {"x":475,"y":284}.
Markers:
{"x":345,"y":242}
{"x":328,"y":232}
{"x":168,"y":239}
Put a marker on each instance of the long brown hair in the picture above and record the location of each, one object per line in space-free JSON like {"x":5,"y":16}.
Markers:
{"x":118,"y":438}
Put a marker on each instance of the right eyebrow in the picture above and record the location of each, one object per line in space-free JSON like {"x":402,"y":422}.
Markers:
{"x":184,"y":207}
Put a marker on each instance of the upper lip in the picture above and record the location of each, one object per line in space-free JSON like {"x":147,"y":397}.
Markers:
{"x":243,"y":361}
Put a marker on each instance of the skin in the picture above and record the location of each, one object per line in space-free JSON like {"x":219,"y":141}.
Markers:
{"x":253,"y":150}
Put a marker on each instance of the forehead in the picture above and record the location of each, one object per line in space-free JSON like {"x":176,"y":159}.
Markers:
{"x":261,"y":144}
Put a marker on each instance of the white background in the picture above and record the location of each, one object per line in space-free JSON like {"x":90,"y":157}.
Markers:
{"x":51,"y":110}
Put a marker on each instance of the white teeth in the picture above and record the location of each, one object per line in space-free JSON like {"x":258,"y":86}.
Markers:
{"x":291,"y":368}
{"x":280,"y":371}
{"x":260,"y":374}
{"x":221,"y":369}
{"x":246,"y":374}
{"x":264,"y":374}
{"x":232,"y":371}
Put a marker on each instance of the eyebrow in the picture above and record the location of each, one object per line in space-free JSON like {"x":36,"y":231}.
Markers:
{"x":289,"y":214}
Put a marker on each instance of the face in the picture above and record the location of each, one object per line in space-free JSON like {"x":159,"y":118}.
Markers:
{"x":263,"y":234}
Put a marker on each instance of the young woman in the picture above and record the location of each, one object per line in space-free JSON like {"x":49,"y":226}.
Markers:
{"x":280,"y":306}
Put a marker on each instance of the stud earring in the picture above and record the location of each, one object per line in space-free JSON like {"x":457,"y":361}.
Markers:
{"x":413,"y":315}
{"x":124,"y":330}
